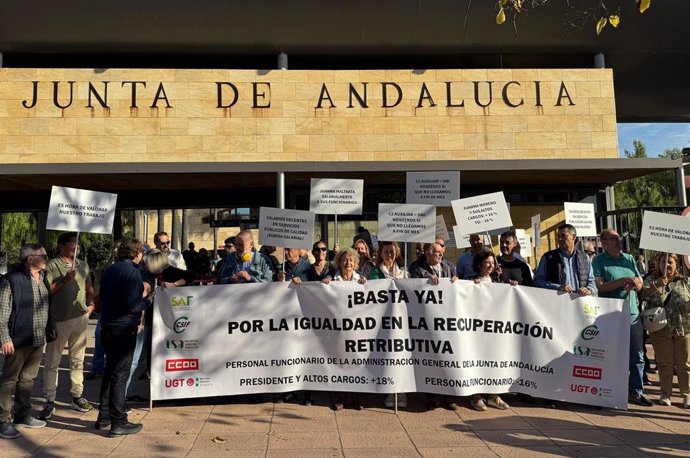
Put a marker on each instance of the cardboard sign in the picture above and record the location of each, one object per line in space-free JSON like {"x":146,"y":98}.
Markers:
{"x":286,"y":228}
{"x":482,"y":213}
{"x":461,"y":240}
{"x":536,"y":230}
{"x":79,"y":210}
{"x":433,"y":188}
{"x":665,"y":233}
{"x":407,"y":223}
{"x":336,"y":197}
{"x":441,"y":229}
{"x":525,"y":243}
{"x":581,"y":216}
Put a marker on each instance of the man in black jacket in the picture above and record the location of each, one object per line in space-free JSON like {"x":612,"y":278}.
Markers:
{"x":24,"y":318}
{"x":122,"y":302}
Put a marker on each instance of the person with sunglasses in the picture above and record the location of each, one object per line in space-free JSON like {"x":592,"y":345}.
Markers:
{"x":162,"y":242}
{"x":322,"y":267}
{"x":25,"y":326}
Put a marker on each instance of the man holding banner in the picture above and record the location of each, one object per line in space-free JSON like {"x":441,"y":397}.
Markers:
{"x":617,"y":277}
{"x":73,"y":301}
{"x":246,"y":265}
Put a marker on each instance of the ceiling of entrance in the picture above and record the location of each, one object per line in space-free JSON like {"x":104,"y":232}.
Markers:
{"x":650,"y":53}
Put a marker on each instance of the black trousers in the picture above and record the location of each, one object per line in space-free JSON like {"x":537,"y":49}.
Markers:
{"x":119,"y":348}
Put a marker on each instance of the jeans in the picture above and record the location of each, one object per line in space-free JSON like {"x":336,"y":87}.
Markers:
{"x":636,"y":360}
{"x":119,"y":348}
{"x":141,"y":343}
{"x":98,"y":361}
{"x":18,"y":374}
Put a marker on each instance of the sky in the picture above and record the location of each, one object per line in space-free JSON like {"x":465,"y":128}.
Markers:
{"x":657,"y":137}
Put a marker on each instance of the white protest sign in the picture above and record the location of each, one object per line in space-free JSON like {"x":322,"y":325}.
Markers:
{"x":332,"y":196}
{"x":434,"y":188}
{"x":482,"y":213}
{"x":80,"y":210}
{"x":461,"y":240}
{"x":286,"y":228}
{"x":407,"y":223}
{"x":500,"y":230}
{"x":536,"y":230}
{"x":525,"y":243}
{"x":441,"y":229}
{"x":666,"y":233}
{"x":581,"y":216}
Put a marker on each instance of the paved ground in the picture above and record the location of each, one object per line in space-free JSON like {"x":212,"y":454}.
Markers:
{"x":211,"y":428}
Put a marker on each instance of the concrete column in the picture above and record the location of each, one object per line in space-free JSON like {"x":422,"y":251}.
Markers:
{"x":0,"y":60}
{"x":161,"y":221}
{"x":610,"y":206}
{"x":599,"y":60}
{"x":680,"y":187}
{"x":282,"y":61}
{"x":175,"y":233}
{"x":280,"y":190}
{"x":183,"y":235}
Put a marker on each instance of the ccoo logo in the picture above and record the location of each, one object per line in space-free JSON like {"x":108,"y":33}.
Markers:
{"x":593,"y":373}
{"x":184,"y":364}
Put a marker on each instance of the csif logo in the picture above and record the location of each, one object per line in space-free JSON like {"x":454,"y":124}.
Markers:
{"x":181,"y":301}
{"x":181,"y":324}
{"x":590,"y":332}
{"x":593,"y":373}
{"x":184,"y":364}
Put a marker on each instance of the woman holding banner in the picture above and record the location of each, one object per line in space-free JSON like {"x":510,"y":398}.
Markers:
{"x":391,"y":264}
{"x":321,"y":268}
{"x":345,"y":263}
{"x":365,"y":263}
{"x":666,"y":288}
{"x":485,"y":263}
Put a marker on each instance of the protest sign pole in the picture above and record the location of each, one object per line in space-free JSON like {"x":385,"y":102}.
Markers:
{"x":491,"y":247}
{"x":76,"y":248}
{"x":335,"y":230}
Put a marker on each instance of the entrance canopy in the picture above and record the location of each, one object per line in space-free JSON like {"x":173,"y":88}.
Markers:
{"x":166,"y":185}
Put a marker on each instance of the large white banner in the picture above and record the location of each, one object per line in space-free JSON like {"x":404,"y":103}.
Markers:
{"x":333,"y":196}
{"x":79,"y":210}
{"x":389,"y":336}
{"x":433,"y":188}
{"x":286,"y":228}
{"x":666,"y":233}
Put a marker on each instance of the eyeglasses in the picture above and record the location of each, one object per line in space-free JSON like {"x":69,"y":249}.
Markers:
{"x":590,"y":252}
{"x":165,"y":243}
{"x":322,"y":249}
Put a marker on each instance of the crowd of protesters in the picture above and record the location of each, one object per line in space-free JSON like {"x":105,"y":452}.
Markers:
{"x":47,"y":303}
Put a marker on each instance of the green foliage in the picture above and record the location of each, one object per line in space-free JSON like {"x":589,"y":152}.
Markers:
{"x":17,"y":229}
{"x":655,"y":190}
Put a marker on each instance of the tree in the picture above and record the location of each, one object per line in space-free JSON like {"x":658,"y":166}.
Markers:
{"x":17,"y":229}
{"x":601,"y":13}
{"x":654,"y":190}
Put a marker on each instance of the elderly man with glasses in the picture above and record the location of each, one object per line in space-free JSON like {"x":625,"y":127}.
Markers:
{"x":162,"y":242}
{"x":25,"y":325}
{"x":617,"y":277}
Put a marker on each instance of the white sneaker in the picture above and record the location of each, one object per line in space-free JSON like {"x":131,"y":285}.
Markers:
{"x":495,"y":401}
{"x":664,"y":401}
{"x":477,"y":403}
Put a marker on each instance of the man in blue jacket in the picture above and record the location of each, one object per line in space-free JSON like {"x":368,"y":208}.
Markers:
{"x":246,"y":265}
{"x":24,"y":326}
{"x":122,"y":301}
